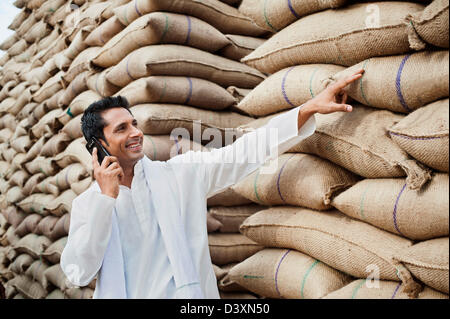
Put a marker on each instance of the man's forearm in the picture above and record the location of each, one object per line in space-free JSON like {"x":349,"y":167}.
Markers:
{"x":306,"y":111}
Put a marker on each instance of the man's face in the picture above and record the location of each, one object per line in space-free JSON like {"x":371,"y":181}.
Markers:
{"x":124,"y":138}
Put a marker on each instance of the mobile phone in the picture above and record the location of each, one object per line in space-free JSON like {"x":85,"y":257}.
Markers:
{"x":101,"y":151}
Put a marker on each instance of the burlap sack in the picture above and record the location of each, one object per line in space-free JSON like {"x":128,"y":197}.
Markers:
{"x":229,"y":248}
{"x":78,"y":85}
{"x":46,"y":226}
{"x":41,"y":164}
{"x":226,"y":284}
{"x":287,"y":88}
{"x":390,"y":205}
{"x":164,"y":147}
{"x":231,"y":218}
{"x":78,"y":105}
{"x":76,"y":152}
{"x":9,"y":42}
{"x":98,"y":83}
{"x":223,"y":17}
{"x":177,"y":90}
{"x":424,"y":135}
{"x":159,"y":119}
{"x":62,"y":204}
{"x":359,"y":141}
{"x":54,"y":251}
{"x":170,"y":59}
{"x":401,"y":83}
{"x":21,"y":263}
{"x":160,"y":27}
{"x":17,"y":21}
{"x":104,"y":32}
{"x":14,"y":195}
{"x":79,"y":293}
{"x":429,"y":26}
{"x":31,"y":183}
{"x":69,"y":175}
{"x":19,"y":178}
{"x":344,"y":36}
{"x":46,"y":187}
{"x":212,"y":224}
{"x":47,"y":123}
{"x":62,"y":62}
{"x":428,"y":261}
{"x":82,"y":185}
{"x":36,"y":203}
{"x":49,"y":88}
{"x":240,"y":46}
{"x":276,"y":15}
{"x":47,"y":8}
{"x":73,"y":128}
{"x":56,"y":294}
{"x":14,"y":216}
{"x":56,"y":276}
{"x":289,"y":179}
{"x":81,"y":63}
{"x":28,"y":288}
{"x":61,"y":228}
{"x":345,"y":244}
{"x":38,"y":31}
{"x":17,"y":48}
{"x":228,"y":198}
{"x":281,"y":273}
{"x":36,"y":272}
{"x":380,"y":289}
{"x":28,"y":225}
{"x":32,"y":245}
{"x":56,"y":144}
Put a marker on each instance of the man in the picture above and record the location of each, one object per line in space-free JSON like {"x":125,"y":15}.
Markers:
{"x":141,"y":227}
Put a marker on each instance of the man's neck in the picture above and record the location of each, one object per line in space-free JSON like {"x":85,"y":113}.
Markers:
{"x":128,"y":171}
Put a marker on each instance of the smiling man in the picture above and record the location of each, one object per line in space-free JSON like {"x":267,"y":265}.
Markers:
{"x":141,"y":226}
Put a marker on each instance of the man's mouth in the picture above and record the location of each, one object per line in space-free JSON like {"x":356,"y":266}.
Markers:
{"x":135,"y":145}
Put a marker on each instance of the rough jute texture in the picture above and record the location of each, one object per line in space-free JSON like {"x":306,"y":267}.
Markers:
{"x":228,"y":198}
{"x":103,"y":33}
{"x":424,"y":135}
{"x":343,"y":36}
{"x":170,"y":59}
{"x":342,"y":243}
{"x":296,"y":179}
{"x":401,"y":83}
{"x":359,"y":141}
{"x":276,"y":15}
{"x":177,"y":90}
{"x":287,"y":88}
{"x":160,"y":27}
{"x":240,"y":46}
{"x":428,"y":261}
{"x":388,"y":204}
{"x":223,"y":17}
{"x":229,"y":248}
{"x":381,"y":289}
{"x":286,"y":273}
{"x":164,"y":147}
{"x":232,"y":218}
{"x":429,"y":26}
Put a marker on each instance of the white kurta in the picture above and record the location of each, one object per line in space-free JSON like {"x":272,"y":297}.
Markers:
{"x":130,"y":244}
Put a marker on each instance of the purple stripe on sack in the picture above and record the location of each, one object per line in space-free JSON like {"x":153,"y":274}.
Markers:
{"x":398,"y":83}
{"x":417,"y":138}
{"x":176,"y":144}
{"x":283,"y":89}
{"x":396,"y":289}
{"x":279,"y":177}
{"x":190,"y":91}
{"x":188,"y":37}
{"x":395,"y":211}
{"x":276,"y":272}
{"x":128,"y":71}
{"x":292,"y":9}
{"x":136,"y":8}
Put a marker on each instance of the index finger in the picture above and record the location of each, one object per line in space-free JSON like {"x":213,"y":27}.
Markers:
{"x":95,"y":158}
{"x":342,"y":83}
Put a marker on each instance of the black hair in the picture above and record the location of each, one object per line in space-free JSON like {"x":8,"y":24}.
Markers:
{"x":92,"y":123}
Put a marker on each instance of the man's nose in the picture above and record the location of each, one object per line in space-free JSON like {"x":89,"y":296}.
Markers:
{"x":136,"y":132}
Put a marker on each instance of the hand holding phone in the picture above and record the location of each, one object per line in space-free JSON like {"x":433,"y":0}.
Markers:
{"x":101,"y":151}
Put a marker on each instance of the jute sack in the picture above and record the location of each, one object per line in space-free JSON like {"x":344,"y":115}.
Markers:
{"x":78,"y":105}
{"x":28,"y":225}
{"x":170,"y":59}
{"x":291,"y":182}
{"x":104,"y":32}
{"x":28,"y":287}
{"x":46,"y":187}
{"x":359,"y":141}
{"x":177,"y":90}
{"x":56,"y":144}
{"x":36,"y":272}
{"x":19,"y":178}
{"x":164,"y":147}
{"x":49,"y":88}
{"x":276,"y":15}
{"x":38,"y":31}
{"x":82,"y":185}
{"x":73,"y":128}
{"x":286,"y":273}
{"x":62,"y":204}
{"x":344,"y":36}
{"x":36,"y":203}
{"x":380,"y":289}
{"x":61,"y":228}
{"x":401,"y":83}
{"x":76,"y":152}
{"x":69,"y":175}
{"x":232,"y":218}
{"x":388,"y":204}
{"x":31,"y":183}
{"x":32,"y":245}
{"x":287,"y":88}
{"x":56,"y":294}
{"x":429,"y":26}
{"x":223,"y":17}
{"x":227,"y":198}
{"x":21,"y":144}
{"x":21,"y":263}
{"x":81,"y":63}
{"x":54,"y":251}
{"x":342,"y":243}
{"x":47,"y":124}
{"x":79,"y":293}
{"x":229,"y":248}
{"x":56,"y":276}
{"x":428,"y":261}
{"x":424,"y":135}
{"x":212,"y":224}
{"x":160,"y":27}
{"x":46,"y":226}
{"x":42,"y":164}
{"x":14,"y":195}
{"x":240,"y":46}
{"x":191,"y":123}
{"x":78,"y":85}
{"x":98,"y":83}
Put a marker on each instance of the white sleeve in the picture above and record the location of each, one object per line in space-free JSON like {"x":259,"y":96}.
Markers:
{"x":89,"y":234}
{"x":226,"y":166}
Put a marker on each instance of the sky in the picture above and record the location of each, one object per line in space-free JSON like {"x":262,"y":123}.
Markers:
{"x":7,"y":14}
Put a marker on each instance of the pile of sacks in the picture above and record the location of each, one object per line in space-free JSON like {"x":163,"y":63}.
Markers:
{"x":177,"y":62}
{"x":360,"y":208}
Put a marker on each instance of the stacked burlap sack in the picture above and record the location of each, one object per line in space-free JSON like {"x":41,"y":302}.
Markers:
{"x":360,"y":208}
{"x":177,"y":63}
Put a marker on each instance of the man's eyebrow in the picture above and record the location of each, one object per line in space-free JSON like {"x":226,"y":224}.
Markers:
{"x":119,"y":125}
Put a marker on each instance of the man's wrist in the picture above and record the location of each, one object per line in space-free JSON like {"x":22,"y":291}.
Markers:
{"x":308,"y":108}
